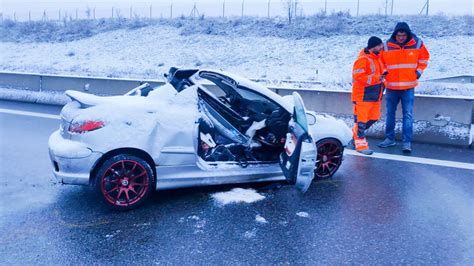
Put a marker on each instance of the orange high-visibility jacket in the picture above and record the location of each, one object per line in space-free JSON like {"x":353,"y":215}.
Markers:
{"x":403,"y":62}
{"x":366,"y":74}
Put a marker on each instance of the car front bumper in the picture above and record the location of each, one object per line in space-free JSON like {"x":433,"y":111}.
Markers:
{"x":72,"y":161}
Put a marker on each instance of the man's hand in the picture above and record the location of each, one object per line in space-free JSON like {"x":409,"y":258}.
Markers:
{"x":418,"y":74}
{"x":382,"y":77}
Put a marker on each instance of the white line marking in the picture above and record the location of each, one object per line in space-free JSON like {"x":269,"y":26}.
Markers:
{"x":411,"y":159}
{"x":26,"y":113}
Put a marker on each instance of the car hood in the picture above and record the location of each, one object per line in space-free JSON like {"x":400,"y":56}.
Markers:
{"x":327,"y":126}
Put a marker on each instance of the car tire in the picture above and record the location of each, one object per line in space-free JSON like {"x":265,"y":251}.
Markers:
{"x":329,"y":158}
{"x":124,"y":181}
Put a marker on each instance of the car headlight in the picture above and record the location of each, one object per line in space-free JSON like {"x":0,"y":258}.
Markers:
{"x":79,"y":127}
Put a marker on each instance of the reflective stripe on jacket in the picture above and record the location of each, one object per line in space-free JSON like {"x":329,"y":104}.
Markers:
{"x":403,"y":62}
{"x":366,"y":73}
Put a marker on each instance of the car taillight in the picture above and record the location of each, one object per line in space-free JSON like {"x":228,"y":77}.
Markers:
{"x":85,"y":126}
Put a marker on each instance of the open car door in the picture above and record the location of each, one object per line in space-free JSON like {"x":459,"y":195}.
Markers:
{"x":298,"y":159}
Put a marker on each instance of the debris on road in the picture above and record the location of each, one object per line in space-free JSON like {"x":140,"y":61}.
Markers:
{"x":260,"y":219}
{"x":303,"y":214}
{"x":237,"y":195}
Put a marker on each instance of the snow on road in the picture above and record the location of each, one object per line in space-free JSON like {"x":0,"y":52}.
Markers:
{"x":250,"y":234}
{"x":260,"y":219}
{"x":237,"y":195}
{"x":149,"y":52}
{"x":303,"y":214}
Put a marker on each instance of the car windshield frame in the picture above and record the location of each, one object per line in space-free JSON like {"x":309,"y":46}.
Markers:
{"x":230,"y":86}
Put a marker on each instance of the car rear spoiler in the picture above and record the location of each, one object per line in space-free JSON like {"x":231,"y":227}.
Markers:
{"x":85,"y":99}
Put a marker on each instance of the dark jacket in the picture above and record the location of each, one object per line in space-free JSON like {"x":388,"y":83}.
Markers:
{"x":402,"y":26}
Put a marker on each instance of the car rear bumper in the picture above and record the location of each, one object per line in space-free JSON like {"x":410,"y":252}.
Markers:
{"x":72,"y":161}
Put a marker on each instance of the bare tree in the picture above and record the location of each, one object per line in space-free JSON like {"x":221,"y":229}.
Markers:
{"x":385,"y":6}
{"x":118,"y":14}
{"x":290,"y":9}
{"x":88,"y":12}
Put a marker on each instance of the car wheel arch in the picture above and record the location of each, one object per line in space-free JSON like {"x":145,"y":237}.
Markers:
{"x":327,"y":138}
{"x":131,"y":151}
{"x":340,"y":145}
{"x":330,"y":136}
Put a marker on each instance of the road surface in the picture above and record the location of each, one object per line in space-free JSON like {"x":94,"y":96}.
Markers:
{"x":373,"y":211}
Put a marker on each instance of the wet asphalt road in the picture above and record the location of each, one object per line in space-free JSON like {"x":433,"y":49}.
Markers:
{"x":371,"y":211}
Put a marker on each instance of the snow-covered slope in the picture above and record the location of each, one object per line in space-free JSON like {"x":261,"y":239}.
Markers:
{"x":150,"y":51}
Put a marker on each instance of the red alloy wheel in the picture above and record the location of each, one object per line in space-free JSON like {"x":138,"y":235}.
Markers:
{"x":124,"y":183}
{"x":329,"y":158}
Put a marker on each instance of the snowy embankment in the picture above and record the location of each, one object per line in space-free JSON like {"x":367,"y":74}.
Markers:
{"x":46,"y":97}
{"x":148,"y":52}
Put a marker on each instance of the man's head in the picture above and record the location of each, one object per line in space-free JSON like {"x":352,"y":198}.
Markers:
{"x":402,"y":33}
{"x":374,"y":44}
{"x":401,"y":36}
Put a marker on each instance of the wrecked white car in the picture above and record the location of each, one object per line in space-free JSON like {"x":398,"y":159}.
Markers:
{"x":203,"y":127}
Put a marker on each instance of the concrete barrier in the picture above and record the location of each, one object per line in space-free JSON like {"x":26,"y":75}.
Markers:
{"x":437,"y":119}
{"x":56,"y":83}
{"x":20,"y":81}
{"x":100,"y":86}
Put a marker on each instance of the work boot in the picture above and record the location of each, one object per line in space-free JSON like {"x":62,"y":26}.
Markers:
{"x":406,"y":147}
{"x":387,"y":143}
{"x":366,"y":152}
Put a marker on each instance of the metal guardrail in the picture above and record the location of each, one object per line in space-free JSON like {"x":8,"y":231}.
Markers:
{"x":438,"y":119}
{"x":94,"y":85}
{"x":455,"y":79}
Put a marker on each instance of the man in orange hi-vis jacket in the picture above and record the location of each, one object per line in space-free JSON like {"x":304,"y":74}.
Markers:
{"x":405,"y":57}
{"x":367,"y":89}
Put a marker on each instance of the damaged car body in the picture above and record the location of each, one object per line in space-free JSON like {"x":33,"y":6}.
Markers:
{"x":203,"y":127}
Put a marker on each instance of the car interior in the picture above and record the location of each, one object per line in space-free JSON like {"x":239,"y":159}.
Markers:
{"x":238,"y":124}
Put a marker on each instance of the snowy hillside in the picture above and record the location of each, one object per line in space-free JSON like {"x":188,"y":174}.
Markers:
{"x":148,"y":52}
{"x":321,"y":25}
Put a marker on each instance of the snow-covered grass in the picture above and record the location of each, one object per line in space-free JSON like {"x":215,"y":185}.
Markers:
{"x":318,"y":48}
{"x":336,"y":23}
{"x":149,"y":52}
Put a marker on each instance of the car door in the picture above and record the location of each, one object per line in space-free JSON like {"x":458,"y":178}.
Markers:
{"x":298,"y":158}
